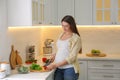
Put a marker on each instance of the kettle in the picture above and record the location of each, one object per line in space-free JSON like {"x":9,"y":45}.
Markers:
{"x":6,"y":66}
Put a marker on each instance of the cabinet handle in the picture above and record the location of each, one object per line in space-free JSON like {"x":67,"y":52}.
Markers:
{"x":40,"y":23}
{"x":50,"y":22}
{"x":115,"y":22}
{"x":108,"y":65}
{"x":81,"y":63}
{"x":108,"y":76}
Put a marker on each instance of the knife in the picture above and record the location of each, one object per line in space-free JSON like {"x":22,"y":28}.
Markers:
{"x":49,"y":61}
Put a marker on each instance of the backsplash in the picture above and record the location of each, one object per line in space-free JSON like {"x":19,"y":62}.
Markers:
{"x":106,"y":39}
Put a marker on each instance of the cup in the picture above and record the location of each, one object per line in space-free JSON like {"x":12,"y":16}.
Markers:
{"x":6,"y":66}
{"x":2,"y":74}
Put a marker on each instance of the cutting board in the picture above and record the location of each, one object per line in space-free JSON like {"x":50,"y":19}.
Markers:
{"x":12,"y":58}
{"x":92,"y":55}
{"x":18,"y":59}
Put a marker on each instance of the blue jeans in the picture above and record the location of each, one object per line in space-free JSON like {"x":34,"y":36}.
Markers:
{"x":65,"y":74}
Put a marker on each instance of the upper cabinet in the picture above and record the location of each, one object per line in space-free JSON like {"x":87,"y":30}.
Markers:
{"x":31,"y":12}
{"x":106,"y":12}
{"x":83,"y":12}
{"x":44,"y":12}
{"x":50,"y":12}
{"x":19,"y":12}
{"x":65,"y":7}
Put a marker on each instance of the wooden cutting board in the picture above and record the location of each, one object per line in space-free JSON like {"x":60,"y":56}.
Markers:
{"x":43,"y":70}
{"x":12,"y":58}
{"x":18,"y":59}
{"x":92,"y":55}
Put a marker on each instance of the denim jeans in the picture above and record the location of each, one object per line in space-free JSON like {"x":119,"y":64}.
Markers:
{"x":65,"y":74}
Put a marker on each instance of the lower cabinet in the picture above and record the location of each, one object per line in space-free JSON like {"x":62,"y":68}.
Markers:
{"x":83,"y":70}
{"x":100,"y":70}
{"x":103,"y":70}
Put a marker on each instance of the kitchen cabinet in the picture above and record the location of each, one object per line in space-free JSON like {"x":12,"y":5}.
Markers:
{"x":44,"y":12}
{"x":83,"y":70}
{"x":50,"y":12}
{"x":65,"y":7}
{"x":106,"y":12}
{"x":19,"y":12}
{"x":103,"y":70}
{"x":83,"y":12}
{"x":31,"y":12}
{"x":100,"y":68}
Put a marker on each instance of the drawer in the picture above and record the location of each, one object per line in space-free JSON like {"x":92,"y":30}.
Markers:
{"x":103,"y":79}
{"x":90,"y":71}
{"x":103,"y":75}
{"x":104,"y":64}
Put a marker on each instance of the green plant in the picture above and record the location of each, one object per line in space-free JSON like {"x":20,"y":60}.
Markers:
{"x":23,"y":69}
{"x":35,"y":66}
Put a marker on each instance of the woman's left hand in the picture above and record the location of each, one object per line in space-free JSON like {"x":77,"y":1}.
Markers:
{"x":51,"y":66}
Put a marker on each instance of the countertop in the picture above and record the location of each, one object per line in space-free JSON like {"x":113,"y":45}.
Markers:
{"x":30,"y":76}
{"x":107,"y":57}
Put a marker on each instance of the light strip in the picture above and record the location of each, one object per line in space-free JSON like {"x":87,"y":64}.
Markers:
{"x":52,"y":26}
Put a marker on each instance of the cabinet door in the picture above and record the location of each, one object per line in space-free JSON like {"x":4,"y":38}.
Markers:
{"x":50,"y":12}
{"x":83,"y":70}
{"x":19,"y":12}
{"x":83,"y":12}
{"x":65,"y":7}
{"x":103,"y":11}
{"x":35,"y":11}
{"x":117,"y":10}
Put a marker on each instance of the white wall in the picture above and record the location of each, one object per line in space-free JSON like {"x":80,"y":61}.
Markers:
{"x":106,"y":39}
{"x":4,"y":38}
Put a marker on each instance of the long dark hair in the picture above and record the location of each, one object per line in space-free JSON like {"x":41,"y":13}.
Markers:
{"x":70,"y":20}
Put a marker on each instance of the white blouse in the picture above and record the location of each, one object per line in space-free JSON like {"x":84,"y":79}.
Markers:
{"x":63,"y":52}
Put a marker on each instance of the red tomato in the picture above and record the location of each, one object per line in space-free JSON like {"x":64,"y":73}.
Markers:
{"x":45,"y":67}
{"x":44,"y":59}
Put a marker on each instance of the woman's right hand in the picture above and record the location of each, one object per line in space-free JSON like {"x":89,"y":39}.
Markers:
{"x":52,"y":57}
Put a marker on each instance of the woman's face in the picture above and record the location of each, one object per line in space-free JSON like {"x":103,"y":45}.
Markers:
{"x":66,"y":27}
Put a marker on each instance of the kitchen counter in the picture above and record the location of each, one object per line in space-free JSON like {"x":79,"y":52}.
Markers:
{"x":107,"y":57}
{"x":30,"y":76}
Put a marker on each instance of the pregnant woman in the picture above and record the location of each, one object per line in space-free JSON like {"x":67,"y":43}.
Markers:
{"x":68,"y":46}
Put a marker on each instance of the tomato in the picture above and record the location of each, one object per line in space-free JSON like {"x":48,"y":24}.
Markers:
{"x":44,"y":59}
{"x":45,"y":67}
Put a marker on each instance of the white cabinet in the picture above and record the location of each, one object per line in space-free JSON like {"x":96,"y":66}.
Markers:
{"x":83,"y":12}
{"x":103,"y":70}
{"x":50,"y":12}
{"x":31,"y":12}
{"x":65,"y":7}
{"x":83,"y":70}
{"x":106,"y":12}
{"x":19,"y":12}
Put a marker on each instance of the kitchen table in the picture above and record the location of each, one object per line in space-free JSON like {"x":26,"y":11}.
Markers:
{"x":30,"y":76}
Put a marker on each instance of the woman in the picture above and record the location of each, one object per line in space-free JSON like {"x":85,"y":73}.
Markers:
{"x":68,"y":46}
